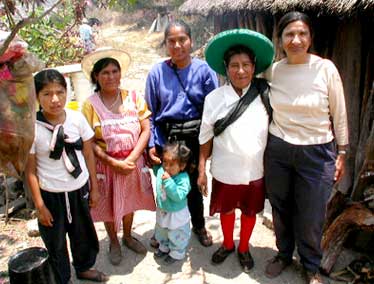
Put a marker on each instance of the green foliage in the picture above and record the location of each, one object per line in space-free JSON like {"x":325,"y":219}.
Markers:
{"x":177,"y":3}
{"x":125,"y":5}
{"x":51,"y":39}
{"x":130,"y":5}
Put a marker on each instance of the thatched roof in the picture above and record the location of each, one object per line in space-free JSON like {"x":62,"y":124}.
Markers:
{"x":160,"y":3}
{"x":218,"y":7}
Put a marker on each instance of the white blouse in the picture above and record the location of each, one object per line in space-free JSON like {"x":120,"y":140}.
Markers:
{"x":237,"y":155}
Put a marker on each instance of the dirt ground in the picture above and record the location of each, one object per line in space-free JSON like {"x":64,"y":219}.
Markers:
{"x":134,"y":269}
{"x":144,"y":269}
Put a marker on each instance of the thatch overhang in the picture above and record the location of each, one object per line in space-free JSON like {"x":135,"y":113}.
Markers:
{"x":161,"y":5}
{"x":329,"y":7}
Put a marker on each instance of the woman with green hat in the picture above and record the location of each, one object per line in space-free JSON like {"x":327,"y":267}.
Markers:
{"x":234,"y":133}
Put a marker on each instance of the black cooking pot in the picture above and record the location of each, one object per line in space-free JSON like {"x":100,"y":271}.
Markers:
{"x":31,"y":266}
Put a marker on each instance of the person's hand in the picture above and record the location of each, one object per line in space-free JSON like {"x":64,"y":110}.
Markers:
{"x":124,"y":167}
{"x":94,"y":198}
{"x":202,"y":184}
{"x":44,"y":216}
{"x":165,"y":175}
{"x":339,"y":167}
{"x":155,"y":159}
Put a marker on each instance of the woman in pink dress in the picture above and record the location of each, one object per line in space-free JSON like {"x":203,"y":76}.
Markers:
{"x":120,"y":120}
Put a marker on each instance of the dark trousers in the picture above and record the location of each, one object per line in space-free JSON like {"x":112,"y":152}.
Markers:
{"x":298,"y":180}
{"x":195,"y":202}
{"x":194,"y":197}
{"x":84,"y":244}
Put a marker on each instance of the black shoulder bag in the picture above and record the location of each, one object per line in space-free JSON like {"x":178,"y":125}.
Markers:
{"x":183,"y":130}
{"x":258,"y":86}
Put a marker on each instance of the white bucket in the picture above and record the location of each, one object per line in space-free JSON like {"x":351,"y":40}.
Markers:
{"x":81,"y":86}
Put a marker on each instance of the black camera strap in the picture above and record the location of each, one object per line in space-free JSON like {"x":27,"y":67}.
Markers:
{"x":175,"y":69}
{"x":258,"y":86}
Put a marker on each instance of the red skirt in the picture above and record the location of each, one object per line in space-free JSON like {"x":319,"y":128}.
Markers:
{"x":248,"y":198}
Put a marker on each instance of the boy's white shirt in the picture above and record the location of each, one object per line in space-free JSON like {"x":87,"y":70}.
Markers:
{"x":52,"y":174}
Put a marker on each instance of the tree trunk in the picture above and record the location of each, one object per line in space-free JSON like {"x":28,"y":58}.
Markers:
{"x":355,"y":217}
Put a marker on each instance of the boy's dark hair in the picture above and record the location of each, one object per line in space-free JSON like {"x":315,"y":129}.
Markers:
{"x":45,"y":77}
{"x":178,"y":150}
{"x":94,"y":21}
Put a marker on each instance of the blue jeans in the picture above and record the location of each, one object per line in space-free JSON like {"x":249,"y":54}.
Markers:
{"x":298,"y":181}
{"x":174,"y":241}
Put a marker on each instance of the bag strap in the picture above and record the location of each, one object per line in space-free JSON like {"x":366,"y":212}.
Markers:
{"x":133,"y":96}
{"x":257,"y":86}
{"x":264,"y":90}
{"x":175,"y":69}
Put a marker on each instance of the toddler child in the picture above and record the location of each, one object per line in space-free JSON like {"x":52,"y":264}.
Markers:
{"x":172,"y":229}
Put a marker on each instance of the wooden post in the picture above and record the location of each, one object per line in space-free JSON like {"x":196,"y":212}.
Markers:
{"x":349,"y":39}
{"x":6,"y":188}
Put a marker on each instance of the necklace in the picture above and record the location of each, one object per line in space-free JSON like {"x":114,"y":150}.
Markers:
{"x":114,"y":103}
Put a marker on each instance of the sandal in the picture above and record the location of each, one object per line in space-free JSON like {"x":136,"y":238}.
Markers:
{"x":246,"y":261}
{"x":154,"y":243}
{"x":169,"y":260}
{"x":159,"y":253}
{"x":93,"y":275}
{"x":221,"y":254}
{"x":135,"y":245}
{"x":204,"y":237}
{"x":115,"y":254}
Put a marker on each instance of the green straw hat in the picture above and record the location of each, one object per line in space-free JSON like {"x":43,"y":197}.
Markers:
{"x":261,"y":46}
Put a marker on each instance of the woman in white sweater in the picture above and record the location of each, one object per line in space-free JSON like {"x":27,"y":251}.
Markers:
{"x":301,"y":159}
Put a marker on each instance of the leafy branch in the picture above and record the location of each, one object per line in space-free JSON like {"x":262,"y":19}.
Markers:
{"x":10,"y":9}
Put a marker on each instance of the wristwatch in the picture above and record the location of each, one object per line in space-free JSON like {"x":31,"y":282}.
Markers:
{"x":342,"y":152}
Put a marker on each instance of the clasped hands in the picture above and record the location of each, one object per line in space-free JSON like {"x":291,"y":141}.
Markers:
{"x":125,"y":166}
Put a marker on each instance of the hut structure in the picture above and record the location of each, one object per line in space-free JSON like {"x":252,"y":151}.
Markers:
{"x":343,"y":32}
{"x":163,"y":8}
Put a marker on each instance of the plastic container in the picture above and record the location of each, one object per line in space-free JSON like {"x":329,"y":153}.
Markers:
{"x":31,"y":266}
{"x":81,"y":86}
{"x":74,"y":105}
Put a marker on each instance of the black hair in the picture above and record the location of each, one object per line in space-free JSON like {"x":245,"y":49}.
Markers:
{"x":100,"y":65}
{"x":293,"y":17}
{"x":93,"y":21}
{"x":238,"y":49}
{"x":177,"y":23}
{"x":45,"y":77}
{"x":178,"y":150}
